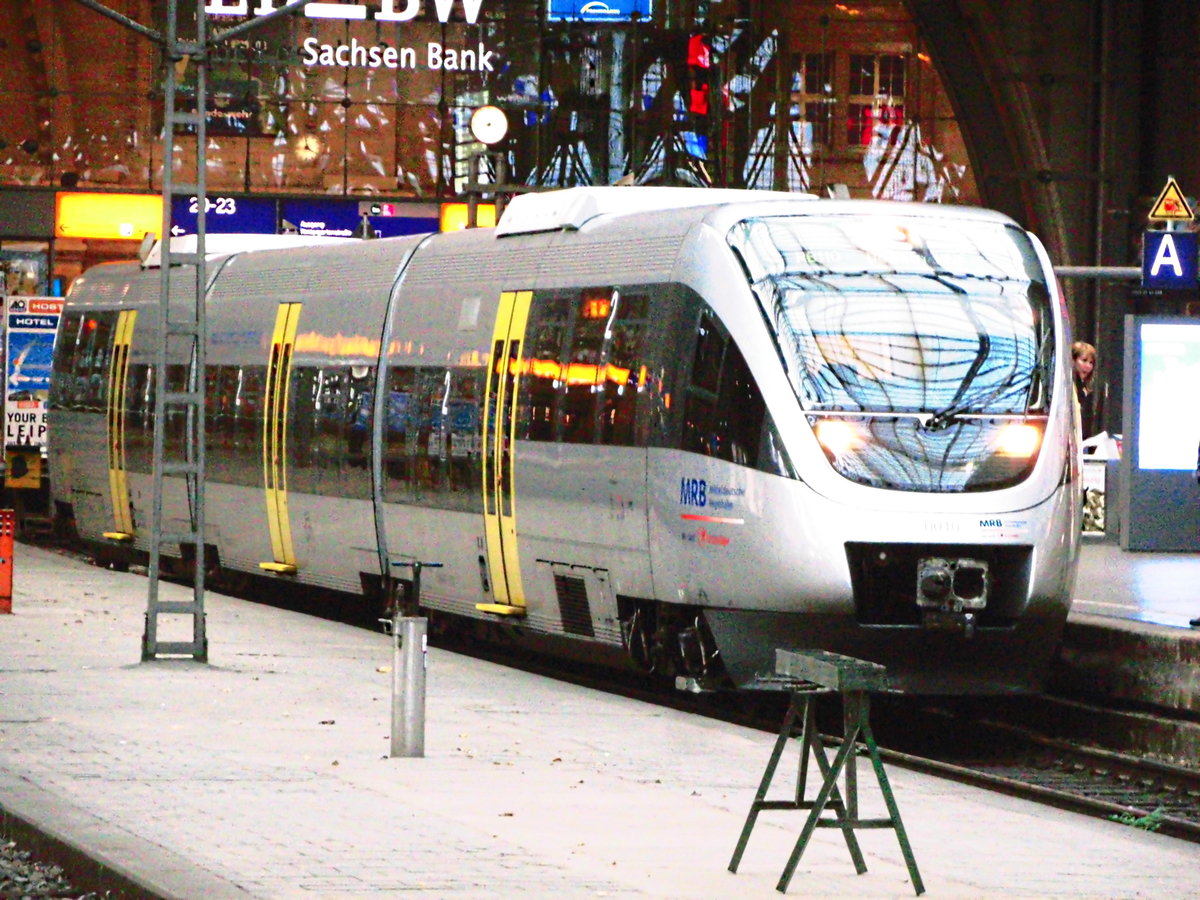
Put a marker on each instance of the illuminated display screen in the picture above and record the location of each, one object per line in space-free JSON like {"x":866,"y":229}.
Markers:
{"x":107,"y":216}
{"x":225,"y":215}
{"x":1169,"y":413}
{"x":339,"y":218}
{"x":454,"y":216}
{"x":598,"y":10}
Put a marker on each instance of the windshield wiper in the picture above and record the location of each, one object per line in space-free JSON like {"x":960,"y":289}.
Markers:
{"x":944,"y":416}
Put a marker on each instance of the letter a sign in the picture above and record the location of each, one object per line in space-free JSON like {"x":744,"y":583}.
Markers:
{"x":1169,"y":259}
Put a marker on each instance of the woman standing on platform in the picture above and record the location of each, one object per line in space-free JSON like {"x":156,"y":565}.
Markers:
{"x":1083,"y":358}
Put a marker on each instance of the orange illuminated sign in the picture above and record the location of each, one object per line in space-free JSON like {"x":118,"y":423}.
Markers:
{"x":118,"y":217}
{"x":596,"y":305}
{"x":454,"y":216}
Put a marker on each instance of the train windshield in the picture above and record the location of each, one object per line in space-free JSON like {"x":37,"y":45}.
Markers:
{"x":877,"y":314}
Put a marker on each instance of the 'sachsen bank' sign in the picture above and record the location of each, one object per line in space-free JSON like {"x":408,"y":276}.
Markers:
{"x":436,"y":56}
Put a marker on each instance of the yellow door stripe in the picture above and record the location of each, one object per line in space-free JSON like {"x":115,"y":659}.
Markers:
{"x":508,"y":488}
{"x":491,"y":428}
{"x":499,"y":441}
{"x":118,"y":372}
{"x":275,"y":422}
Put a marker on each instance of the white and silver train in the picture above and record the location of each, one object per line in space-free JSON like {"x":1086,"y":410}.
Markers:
{"x":675,"y":427}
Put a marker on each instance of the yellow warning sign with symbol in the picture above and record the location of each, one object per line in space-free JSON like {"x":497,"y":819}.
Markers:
{"x":1171,"y":204}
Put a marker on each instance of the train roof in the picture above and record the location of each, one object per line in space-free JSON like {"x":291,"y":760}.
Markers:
{"x":217,"y":245}
{"x":573,"y":209}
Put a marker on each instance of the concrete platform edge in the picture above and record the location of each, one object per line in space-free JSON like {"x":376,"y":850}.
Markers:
{"x":1132,"y":661}
{"x":92,"y":863}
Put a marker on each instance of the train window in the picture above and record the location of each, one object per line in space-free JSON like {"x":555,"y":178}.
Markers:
{"x":139,"y":418}
{"x":541,"y":381}
{"x":586,"y":368}
{"x":233,"y":431}
{"x":234,"y":427}
{"x":725,"y":415}
{"x":741,"y":410}
{"x":175,"y":445}
{"x":429,"y":449}
{"x":219,"y":389}
{"x":396,"y":443}
{"x":710,"y":351}
{"x":307,"y":467}
{"x":92,"y":350}
{"x":66,"y":358}
{"x":700,"y":428}
{"x":625,"y":370}
{"x":432,"y":451}
{"x":330,"y":431}
{"x":583,"y":371}
{"x":460,"y":412}
{"x":350,"y":399}
{"x":899,"y":315}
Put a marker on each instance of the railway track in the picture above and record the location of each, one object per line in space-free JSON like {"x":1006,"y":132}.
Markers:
{"x":1007,"y":756}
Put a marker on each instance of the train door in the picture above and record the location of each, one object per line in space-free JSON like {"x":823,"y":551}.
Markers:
{"x":274,"y":445}
{"x":115,"y":419}
{"x":499,"y":442}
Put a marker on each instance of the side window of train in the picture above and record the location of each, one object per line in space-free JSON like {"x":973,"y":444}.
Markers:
{"x":66,"y":359}
{"x":175,"y":432}
{"x":86,"y":346}
{"x":582,"y":365}
{"x":626,"y":370}
{"x":329,"y":430}
{"x":545,"y":336}
{"x":399,"y":437}
{"x":585,"y":367}
{"x":462,"y":411}
{"x":432,"y":444}
{"x":725,"y":415}
{"x":701,"y":431}
{"x":139,"y":418}
{"x":233,"y":428}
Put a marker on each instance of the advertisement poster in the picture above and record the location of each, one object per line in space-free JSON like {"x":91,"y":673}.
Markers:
{"x":29,"y":349}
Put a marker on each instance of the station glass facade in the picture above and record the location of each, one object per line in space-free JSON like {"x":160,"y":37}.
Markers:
{"x":769,"y":94}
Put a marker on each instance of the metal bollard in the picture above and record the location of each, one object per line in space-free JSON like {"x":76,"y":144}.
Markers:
{"x":409,"y":653}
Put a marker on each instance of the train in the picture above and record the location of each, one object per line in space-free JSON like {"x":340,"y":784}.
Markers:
{"x":668,"y":429}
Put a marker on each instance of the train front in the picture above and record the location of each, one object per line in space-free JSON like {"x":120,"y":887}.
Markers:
{"x":925,"y":401}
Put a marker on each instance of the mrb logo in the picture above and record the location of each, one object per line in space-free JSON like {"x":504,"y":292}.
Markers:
{"x":693,"y":492}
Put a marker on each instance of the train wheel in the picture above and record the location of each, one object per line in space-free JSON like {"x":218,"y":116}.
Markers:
{"x":639,"y":642}
{"x":695,"y":652}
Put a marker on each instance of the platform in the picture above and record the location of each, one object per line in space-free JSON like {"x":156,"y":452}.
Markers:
{"x":1128,"y":635}
{"x":265,"y":774}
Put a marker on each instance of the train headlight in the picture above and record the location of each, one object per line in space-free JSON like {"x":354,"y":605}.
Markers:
{"x":838,"y":436}
{"x":1018,"y":441}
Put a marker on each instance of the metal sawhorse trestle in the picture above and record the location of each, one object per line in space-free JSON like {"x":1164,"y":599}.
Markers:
{"x":807,"y":674}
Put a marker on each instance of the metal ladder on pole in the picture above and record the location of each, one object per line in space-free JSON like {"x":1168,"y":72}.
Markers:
{"x":181,"y":339}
